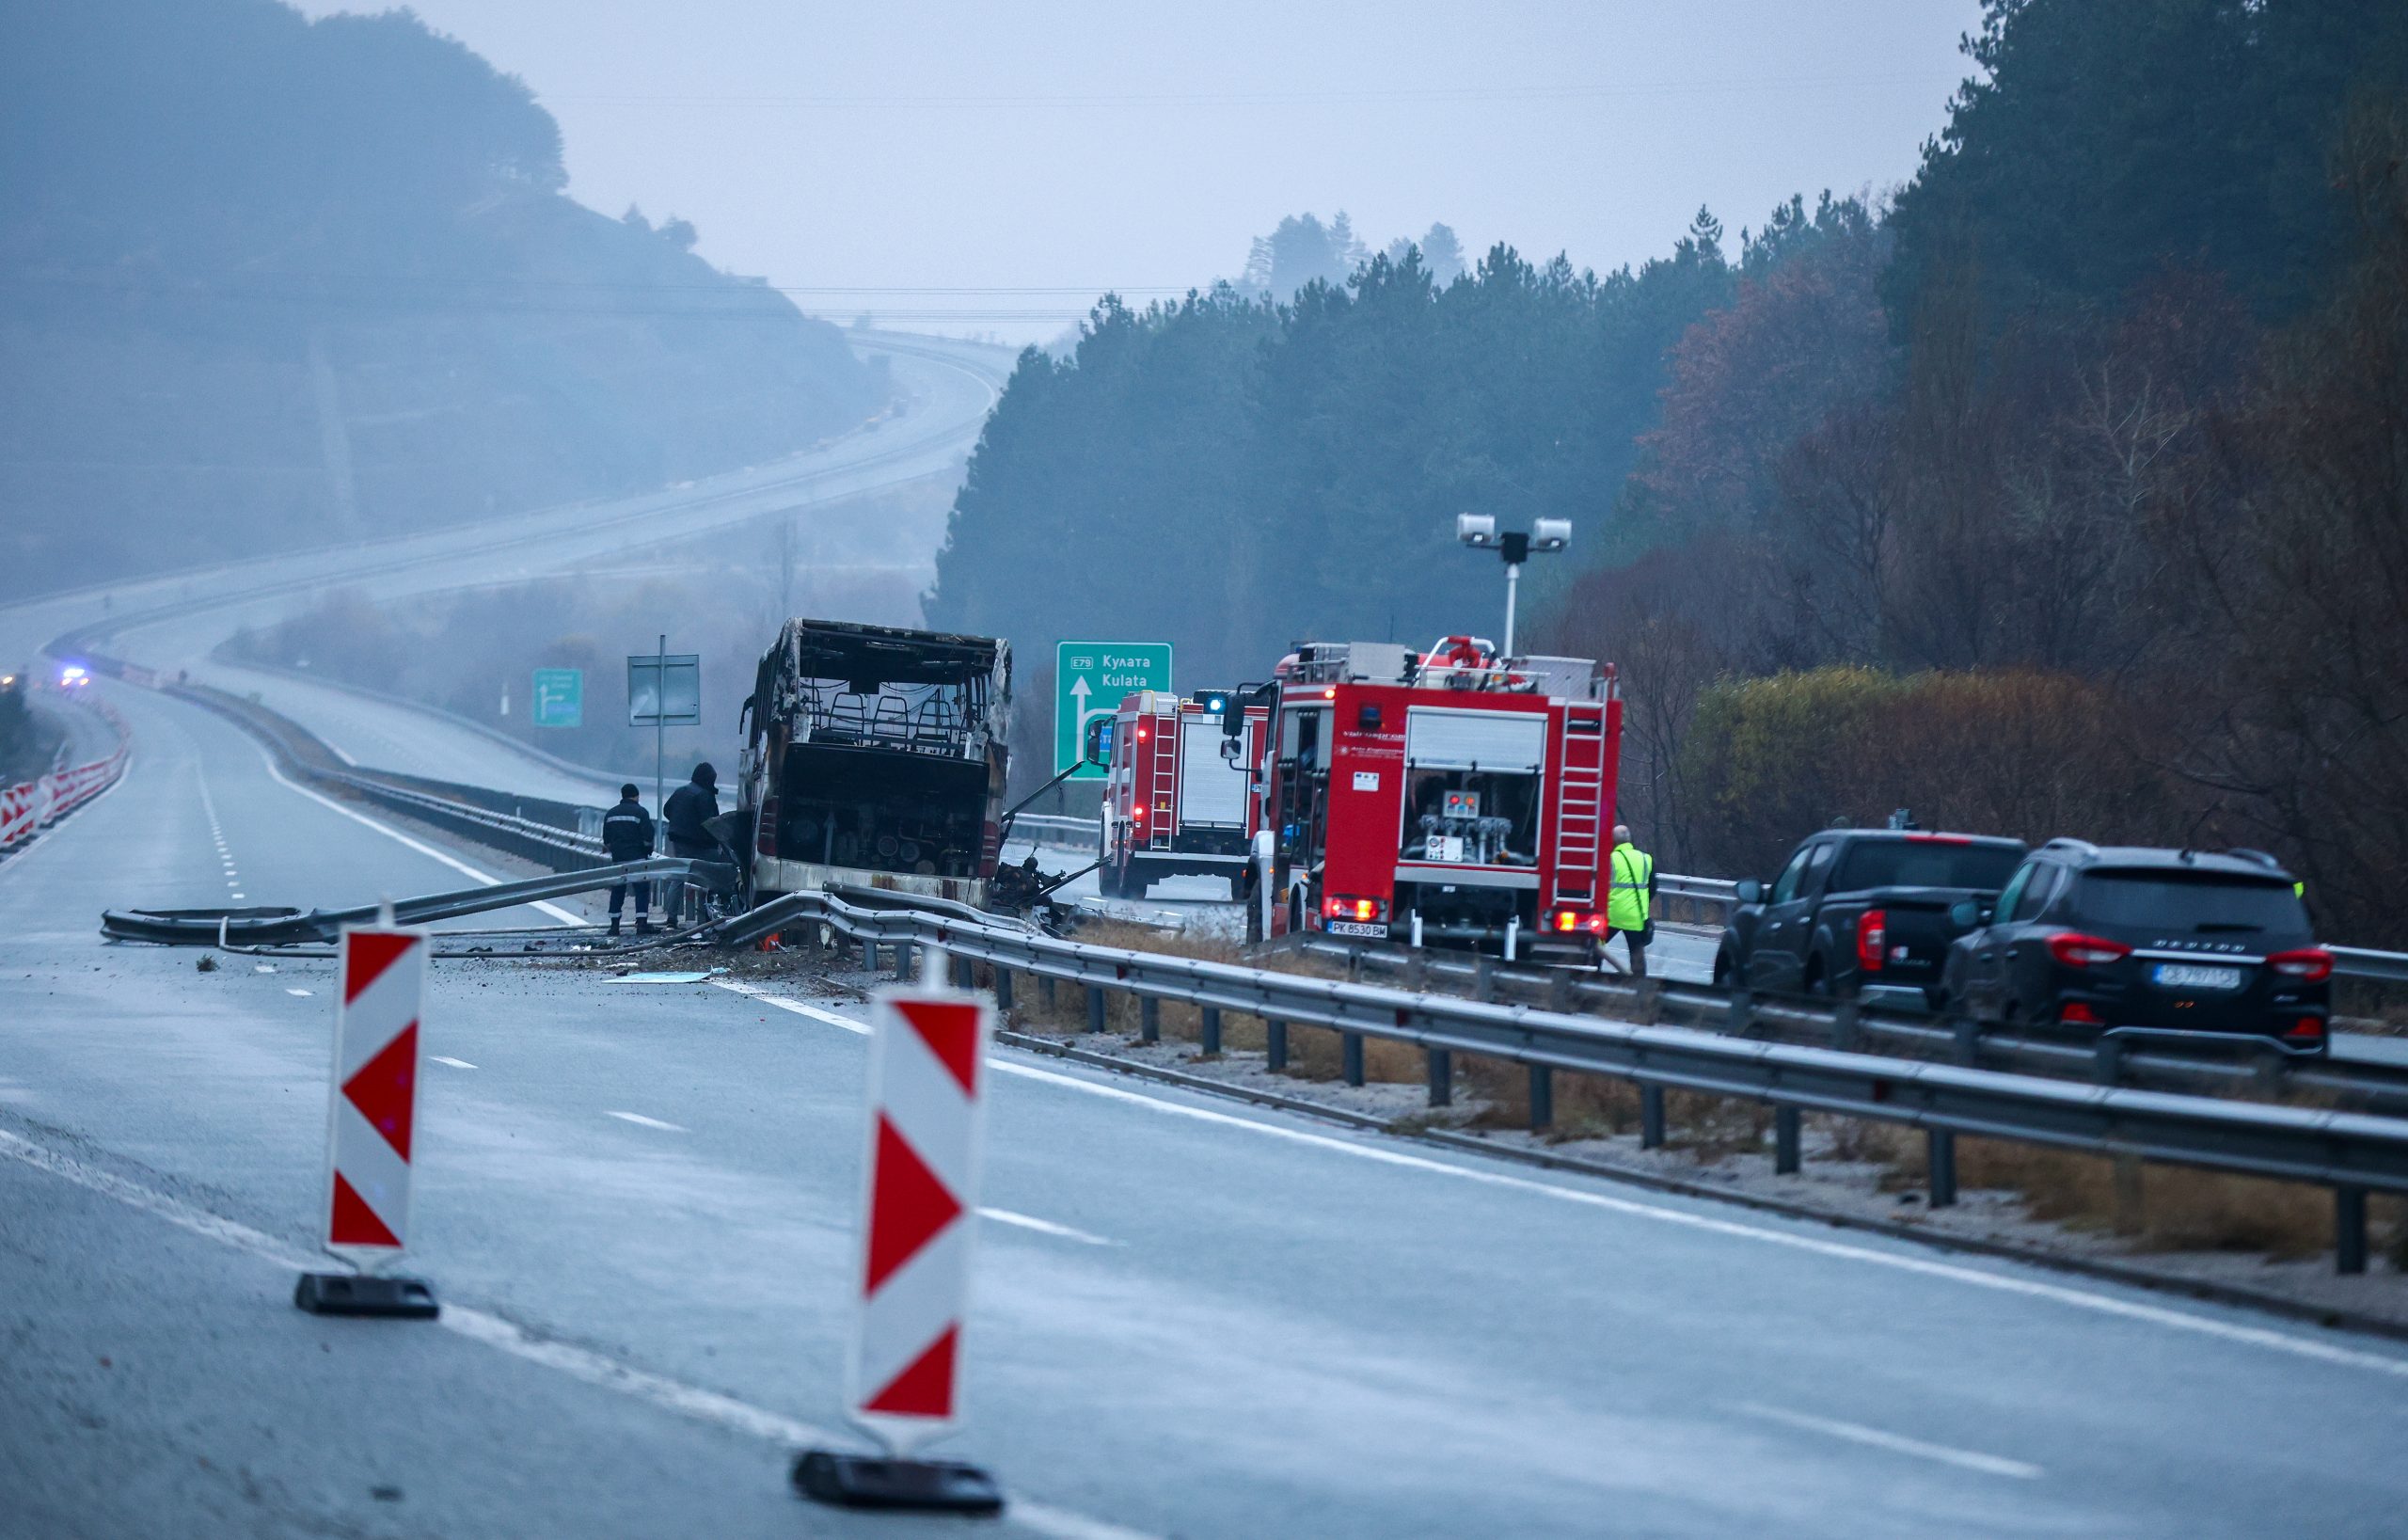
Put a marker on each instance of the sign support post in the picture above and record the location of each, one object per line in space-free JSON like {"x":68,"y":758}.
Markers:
{"x":920,"y":1202}
{"x":372,"y":1115}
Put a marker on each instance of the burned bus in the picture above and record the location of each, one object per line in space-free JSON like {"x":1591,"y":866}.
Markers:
{"x":875,"y":757}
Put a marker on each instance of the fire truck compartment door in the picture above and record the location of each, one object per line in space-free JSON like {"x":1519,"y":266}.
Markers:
{"x":1211,"y":789}
{"x":1438,"y":737}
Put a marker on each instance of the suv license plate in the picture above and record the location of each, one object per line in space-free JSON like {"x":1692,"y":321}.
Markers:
{"x":1356,"y":928}
{"x":2185,"y":976}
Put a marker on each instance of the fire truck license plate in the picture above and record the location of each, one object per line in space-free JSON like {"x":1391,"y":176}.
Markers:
{"x":1357,"y":928}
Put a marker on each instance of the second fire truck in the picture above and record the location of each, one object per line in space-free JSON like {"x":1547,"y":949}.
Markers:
{"x":1174,"y":804}
{"x":1452,"y":798}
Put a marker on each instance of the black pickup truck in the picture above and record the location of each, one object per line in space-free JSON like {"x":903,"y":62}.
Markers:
{"x":1860,"y":907}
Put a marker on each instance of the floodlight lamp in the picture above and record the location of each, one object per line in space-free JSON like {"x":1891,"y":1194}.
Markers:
{"x":1477,"y":531}
{"x":1550,"y":535}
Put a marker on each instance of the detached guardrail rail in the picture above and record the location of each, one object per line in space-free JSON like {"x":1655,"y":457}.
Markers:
{"x":2349,"y":1152}
{"x":268,"y":927}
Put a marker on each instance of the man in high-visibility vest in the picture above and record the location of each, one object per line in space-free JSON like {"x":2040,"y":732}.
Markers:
{"x":1630,"y":901}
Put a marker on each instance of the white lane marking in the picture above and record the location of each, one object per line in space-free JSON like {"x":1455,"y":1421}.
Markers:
{"x":456,"y":1063}
{"x":1857,"y":1432}
{"x":576,"y":1362}
{"x":480,"y":879}
{"x":2060,"y":1294}
{"x":1043,"y":1227}
{"x":304,"y":994}
{"x":755,"y":991}
{"x":643,"y":1121}
{"x":238,"y":895}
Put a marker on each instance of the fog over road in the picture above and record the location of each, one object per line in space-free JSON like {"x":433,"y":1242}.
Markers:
{"x":1191,"y":1318}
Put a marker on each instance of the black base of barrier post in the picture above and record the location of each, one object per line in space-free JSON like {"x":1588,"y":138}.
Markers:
{"x":1784,"y":1141}
{"x":1149,"y":1019}
{"x":350,"y":1293}
{"x":965,"y":974}
{"x":1651,"y":1117}
{"x":1274,"y":1044}
{"x":1943,"y":1168}
{"x":1350,"y":1052}
{"x":869,"y":1480}
{"x":1003,"y":988}
{"x":2348,"y":1230}
{"x":1442,"y":1078}
{"x":1045,"y":989}
{"x":1208,"y":1031}
{"x":1542,"y":1097}
{"x":1095,"y":1008}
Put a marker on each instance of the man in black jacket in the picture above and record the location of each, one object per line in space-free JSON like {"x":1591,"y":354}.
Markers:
{"x":627,"y":834}
{"x":688,"y":808}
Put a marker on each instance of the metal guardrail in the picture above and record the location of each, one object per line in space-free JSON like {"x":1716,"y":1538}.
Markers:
{"x":2362,"y":963}
{"x":2349,"y":1152}
{"x":2232,"y":1065}
{"x":1057,"y":829}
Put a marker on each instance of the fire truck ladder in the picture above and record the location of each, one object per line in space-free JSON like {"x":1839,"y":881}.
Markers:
{"x":1578,"y":806}
{"x":1166,"y":782}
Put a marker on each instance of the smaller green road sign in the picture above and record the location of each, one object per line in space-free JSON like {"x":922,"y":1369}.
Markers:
{"x":560,"y":698}
{"x":1089,"y":679}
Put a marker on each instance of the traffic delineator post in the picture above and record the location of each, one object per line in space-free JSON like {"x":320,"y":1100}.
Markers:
{"x":370,"y":1122}
{"x":919,"y":1203}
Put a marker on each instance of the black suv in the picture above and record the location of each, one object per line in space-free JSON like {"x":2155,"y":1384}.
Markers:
{"x":2168,"y":942}
{"x":1856,"y":908}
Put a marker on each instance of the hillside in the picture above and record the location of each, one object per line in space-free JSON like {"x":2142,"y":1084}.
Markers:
{"x":266,"y":281}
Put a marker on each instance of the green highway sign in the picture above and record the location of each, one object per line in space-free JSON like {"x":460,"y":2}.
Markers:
{"x":559,"y":698}
{"x":1089,"y":679}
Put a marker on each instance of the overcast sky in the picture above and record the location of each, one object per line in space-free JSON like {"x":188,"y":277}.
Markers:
{"x":965,"y":161}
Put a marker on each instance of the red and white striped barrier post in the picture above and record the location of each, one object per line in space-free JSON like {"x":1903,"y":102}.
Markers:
{"x":370,"y":1119}
{"x":920,"y":1197}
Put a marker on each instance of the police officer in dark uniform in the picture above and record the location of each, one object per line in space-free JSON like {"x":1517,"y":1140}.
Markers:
{"x":688,"y":808}
{"x":627,"y":834}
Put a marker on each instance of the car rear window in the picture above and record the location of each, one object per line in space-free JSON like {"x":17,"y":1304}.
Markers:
{"x":2203,"y":901}
{"x":1925,"y":864}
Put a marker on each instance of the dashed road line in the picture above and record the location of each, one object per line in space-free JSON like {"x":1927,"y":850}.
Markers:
{"x":1896,"y":1444}
{"x":641,"y":1122}
{"x":1044,"y":1227}
{"x":456,"y":1063}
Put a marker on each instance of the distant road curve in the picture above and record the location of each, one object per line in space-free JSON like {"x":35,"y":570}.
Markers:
{"x":174,"y":620}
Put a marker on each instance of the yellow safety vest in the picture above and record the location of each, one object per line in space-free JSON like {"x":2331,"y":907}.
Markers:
{"x":1627,"y":900}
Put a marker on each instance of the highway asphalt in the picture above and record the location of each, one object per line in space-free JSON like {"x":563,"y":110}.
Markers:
{"x":1192,"y":1318}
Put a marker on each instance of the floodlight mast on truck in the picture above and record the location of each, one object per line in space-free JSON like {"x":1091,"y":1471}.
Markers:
{"x":1545,"y":536}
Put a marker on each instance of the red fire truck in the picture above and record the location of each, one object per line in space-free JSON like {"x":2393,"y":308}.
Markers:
{"x":1174,"y":804}
{"x":1452,"y":798}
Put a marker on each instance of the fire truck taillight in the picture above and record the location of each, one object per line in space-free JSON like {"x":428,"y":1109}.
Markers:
{"x":1564,"y":922}
{"x":1339,"y":908}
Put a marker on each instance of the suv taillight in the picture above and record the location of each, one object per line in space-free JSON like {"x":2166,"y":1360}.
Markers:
{"x":2308,"y":964}
{"x":1872,"y":939}
{"x":2076,"y":950}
